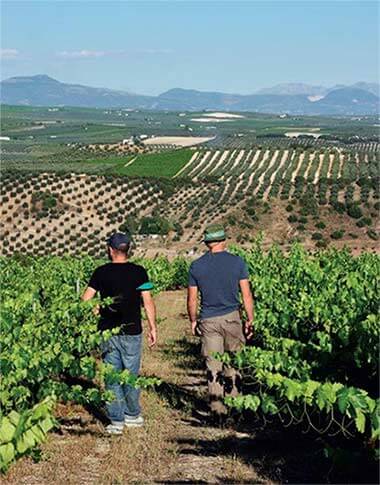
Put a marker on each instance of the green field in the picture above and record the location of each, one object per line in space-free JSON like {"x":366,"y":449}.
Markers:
{"x":165,"y":164}
{"x":42,"y":133}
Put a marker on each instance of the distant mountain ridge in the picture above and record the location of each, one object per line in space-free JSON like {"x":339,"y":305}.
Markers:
{"x":310,"y":90}
{"x":292,"y":98}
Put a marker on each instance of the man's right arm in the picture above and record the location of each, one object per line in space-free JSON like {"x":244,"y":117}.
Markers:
{"x":91,"y":290}
{"x":192,"y":303}
{"x":88,"y":294}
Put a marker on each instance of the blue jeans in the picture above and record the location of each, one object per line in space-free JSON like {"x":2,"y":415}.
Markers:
{"x":123,"y":352}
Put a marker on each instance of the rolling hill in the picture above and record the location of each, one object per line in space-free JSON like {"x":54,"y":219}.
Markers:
{"x":296,"y":98}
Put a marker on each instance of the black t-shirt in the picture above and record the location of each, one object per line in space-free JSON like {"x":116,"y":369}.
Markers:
{"x":124,"y":283}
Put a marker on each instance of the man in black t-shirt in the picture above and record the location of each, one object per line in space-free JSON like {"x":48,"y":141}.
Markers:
{"x":128,"y":285}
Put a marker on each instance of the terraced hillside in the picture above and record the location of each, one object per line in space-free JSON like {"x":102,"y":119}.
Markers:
{"x":283,"y":191}
{"x":263,"y":171}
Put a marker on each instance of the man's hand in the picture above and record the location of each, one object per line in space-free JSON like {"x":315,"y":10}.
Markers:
{"x":152,"y":337}
{"x":194,"y":325}
{"x":248,"y":329}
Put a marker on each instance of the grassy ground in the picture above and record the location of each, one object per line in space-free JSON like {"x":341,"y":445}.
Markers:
{"x":176,"y":445}
{"x":165,"y":164}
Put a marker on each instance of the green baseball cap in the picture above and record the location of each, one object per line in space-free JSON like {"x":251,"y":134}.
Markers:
{"x":214,"y":233}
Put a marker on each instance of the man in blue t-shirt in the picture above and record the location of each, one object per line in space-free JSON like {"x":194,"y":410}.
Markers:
{"x":219,"y":276}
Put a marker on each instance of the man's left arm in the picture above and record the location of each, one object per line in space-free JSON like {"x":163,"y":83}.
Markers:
{"x":248,"y":306}
{"x":150,"y":310}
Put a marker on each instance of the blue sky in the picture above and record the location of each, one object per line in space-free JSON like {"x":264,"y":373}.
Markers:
{"x":151,"y":46}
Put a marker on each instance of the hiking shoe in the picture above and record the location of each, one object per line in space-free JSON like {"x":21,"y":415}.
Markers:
{"x":133,"y":421}
{"x":115,"y":428}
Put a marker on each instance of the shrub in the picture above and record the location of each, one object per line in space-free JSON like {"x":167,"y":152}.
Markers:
{"x":320,"y":225}
{"x":367,"y":221}
{"x":337,"y":234}
{"x":321,"y":244}
{"x":292,"y":218}
{"x":154,"y":225}
{"x":317,"y":236}
{"x":354,"y":211}
{"x":289,"y":208}
{"x":372,"y":234}
{"x":339,"y":207}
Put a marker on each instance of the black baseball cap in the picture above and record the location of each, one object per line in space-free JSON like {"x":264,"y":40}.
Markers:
{"x":118,"y":239}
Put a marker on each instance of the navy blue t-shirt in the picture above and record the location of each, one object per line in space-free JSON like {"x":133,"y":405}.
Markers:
{"x":217,"y":277}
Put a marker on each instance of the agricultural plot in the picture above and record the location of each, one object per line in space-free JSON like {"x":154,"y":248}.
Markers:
{"x":191,"y":189}
{"x":166,"y":164}
{"x":46,"y":134}
{"x":266,"y":172}
{"x":48,"y":209}
{"x":313,"y":362}
{"x":247,"y":159}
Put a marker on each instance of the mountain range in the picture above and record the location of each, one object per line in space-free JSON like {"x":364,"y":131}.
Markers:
{"x":292,"y":98}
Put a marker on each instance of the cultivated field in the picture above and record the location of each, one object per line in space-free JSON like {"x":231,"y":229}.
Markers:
{"x":246,"y":173}
{"x":318,"y":197}
{"x":310,"y":378}
{"x":179,"y":141}
{"x":71,"y":177}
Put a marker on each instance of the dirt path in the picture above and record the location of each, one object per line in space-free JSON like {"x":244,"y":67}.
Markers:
{"x":273,"y":176}
{"x":310,"y":164}
{"x":219,"y":162}
{"x":235,"y":164}
{"x":331,"y":162}
{"x":341,"y":163}
{"x":300,"y":161}
{"x":175,"y":445}
{"x":130,"y":162}
{"x":262,"y":176}
{"x":192,"y":159}
{"x":194,"y":171}
{"x":319,"y":168}
{"x":251,"y":164}
{"x":213,"y":158}
{"x":260,"y":164}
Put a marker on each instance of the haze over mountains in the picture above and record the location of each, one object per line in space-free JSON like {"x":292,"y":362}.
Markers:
{"x":292,"y":98}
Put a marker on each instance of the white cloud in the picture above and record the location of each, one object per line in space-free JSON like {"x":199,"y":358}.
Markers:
{"x":9,"y":54}
{"x":92,"y":54}
{"x":82,"y":54}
